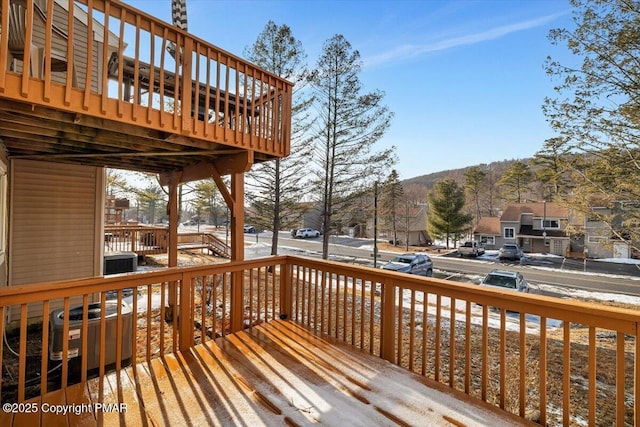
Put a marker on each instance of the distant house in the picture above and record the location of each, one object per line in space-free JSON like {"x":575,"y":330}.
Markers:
{"x":312,"y":217}
{"x":535,"y":227}
{"x":606,"y":230}
{"x":411,"y":227}
{"x":488,"y":232}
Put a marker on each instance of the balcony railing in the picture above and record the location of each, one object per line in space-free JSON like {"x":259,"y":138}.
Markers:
{"x":108,"y":60}
{"x":570,"y":362}
{"x":142,"y":240}
{"x":149,"y":240}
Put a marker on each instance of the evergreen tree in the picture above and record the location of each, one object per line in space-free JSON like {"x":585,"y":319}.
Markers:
{"x":446,"y":219}
{"x":492,"y":193}
{"x":551,"y":170}
{"x":276,"y":188}
{"x":475,"y":185}
{"x":349,"y":124}
{"x":392,"y":197}
{"x":515,"y":181}
{"x":208,"y":201}
{"x":152,"y":204}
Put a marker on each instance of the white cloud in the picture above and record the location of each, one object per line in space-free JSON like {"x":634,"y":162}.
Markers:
{"x":412,"y":50}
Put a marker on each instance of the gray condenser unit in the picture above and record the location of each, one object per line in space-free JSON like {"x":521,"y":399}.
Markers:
{"x":94,"y":313}
{"x":120,"y":262}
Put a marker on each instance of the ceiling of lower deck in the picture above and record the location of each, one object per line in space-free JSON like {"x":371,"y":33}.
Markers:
{"x":53,"y":135}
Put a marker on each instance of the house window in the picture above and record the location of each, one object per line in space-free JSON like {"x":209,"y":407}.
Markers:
{"x":596,"y":239}
{"x":550,"y":223}
{"x":488,"y":240}
{"x":509,"y":233}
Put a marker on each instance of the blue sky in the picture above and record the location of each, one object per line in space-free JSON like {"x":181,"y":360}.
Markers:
{"x":465,"y":79}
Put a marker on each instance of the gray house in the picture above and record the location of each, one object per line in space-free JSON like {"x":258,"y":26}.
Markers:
{"x":535,"y":227}
{"x":606,"y":231}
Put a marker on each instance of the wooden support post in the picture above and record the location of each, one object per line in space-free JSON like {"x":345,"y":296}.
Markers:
{"x":237,"y":250}
{"x":172,"y":249}
{"x":185,"y":315}
{"x":237,"y":217}
{"x":286,"y":294}
{"x":388,"y":325}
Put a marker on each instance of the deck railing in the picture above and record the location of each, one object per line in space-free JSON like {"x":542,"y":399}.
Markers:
{"x":566,"y":361}
{"x":149,"y":240}
{"x":143,"y":240}
{"x":108,"y":60}
{"x":197,"y":240}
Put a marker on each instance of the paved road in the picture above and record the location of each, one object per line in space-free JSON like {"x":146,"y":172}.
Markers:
{"x":552,"y":272}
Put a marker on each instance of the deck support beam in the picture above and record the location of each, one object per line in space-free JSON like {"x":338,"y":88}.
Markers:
{"x":237,"y":251}
{"x":172,"y":245}
{"x":224,"y":165}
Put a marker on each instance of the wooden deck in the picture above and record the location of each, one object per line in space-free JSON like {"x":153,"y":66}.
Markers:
{"x":277,"y":373}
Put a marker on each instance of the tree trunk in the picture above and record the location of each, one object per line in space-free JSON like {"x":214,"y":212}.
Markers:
{"x":276,"y":211}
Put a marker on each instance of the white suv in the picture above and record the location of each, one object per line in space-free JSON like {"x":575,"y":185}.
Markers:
{"x":307,"y":232}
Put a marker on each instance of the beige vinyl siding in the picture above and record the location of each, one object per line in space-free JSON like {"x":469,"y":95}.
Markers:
{"x":59,"y":44}
{"x":53,"y":217}
{"x":54,"y":231}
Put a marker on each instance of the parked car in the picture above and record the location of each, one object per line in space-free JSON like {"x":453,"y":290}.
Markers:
{"x":249,"y":228}
{"x":502,"y":279}
{"x":510,"y":251}
{"x":471,"y":249}
{"x":418,"y":264}
{"x":303,"y":233}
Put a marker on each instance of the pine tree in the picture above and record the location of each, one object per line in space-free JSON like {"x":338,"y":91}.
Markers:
{"x":551,"y":172}
{"x":392,"y":197}
{"x":349,"y":124}
{"x":516,"y":181}
{"x":276,"y":188}
{"x":209,"y":201}
{"x":446,"y":219}
{"x":475,"y":185}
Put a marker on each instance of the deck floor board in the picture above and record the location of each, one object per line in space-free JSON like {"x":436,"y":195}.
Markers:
{"x":276,"y":373}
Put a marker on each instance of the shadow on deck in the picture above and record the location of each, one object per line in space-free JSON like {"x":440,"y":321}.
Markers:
{"x":277,"y":373}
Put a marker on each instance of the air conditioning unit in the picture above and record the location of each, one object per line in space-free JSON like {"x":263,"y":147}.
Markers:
{"x":94,"y":314}
{"x":119,"y":262}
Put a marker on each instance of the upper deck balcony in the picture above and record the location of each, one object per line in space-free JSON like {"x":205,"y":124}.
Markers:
{"x":136,"y":88}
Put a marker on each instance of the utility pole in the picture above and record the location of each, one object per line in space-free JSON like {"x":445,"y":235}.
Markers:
{"x":544,"y":228}
{"x":375,"y":224}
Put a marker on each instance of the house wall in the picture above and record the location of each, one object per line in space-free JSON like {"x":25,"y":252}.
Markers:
{"x":509,"y":224}
{"x":415,"y":238}
{"x":59,"y":45}
{"x":597,"y":246}
{"x":596,"y":238}
{"x":482,"y":238}
{"x":56,"y":229}
{"x":313,"y":219}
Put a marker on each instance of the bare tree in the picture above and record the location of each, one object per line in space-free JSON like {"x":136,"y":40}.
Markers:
{"x":349,"y":124}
